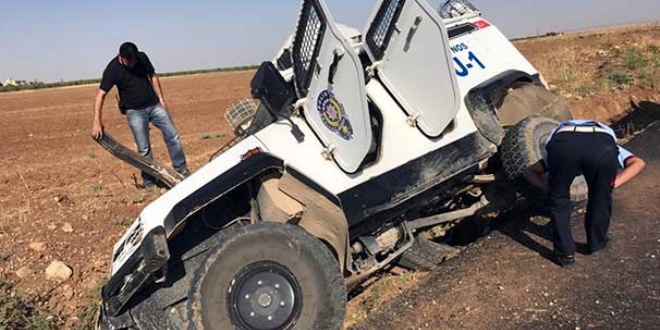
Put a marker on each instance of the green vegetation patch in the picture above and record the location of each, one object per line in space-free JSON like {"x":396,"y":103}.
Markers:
{"x":19,"y":312}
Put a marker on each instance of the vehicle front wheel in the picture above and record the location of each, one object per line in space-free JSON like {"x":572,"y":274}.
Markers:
{"x":268,"y":276}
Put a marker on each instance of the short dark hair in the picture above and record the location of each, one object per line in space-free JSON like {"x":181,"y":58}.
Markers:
{"x":128,"y":50}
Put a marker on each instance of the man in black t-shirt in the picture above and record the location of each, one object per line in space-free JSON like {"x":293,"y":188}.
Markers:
{"x":141,"y":100}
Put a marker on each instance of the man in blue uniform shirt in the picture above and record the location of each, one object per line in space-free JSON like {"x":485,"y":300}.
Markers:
{"x":589,"y":148}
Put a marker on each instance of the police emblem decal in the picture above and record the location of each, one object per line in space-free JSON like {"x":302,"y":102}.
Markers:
{"x":333,"y":115}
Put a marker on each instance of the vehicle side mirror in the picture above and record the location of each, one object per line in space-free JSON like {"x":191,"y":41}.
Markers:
{"x":271,"y":89}
{"x":275,"y":94}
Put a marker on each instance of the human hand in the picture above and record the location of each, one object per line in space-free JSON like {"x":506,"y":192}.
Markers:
{"x":97,"y":130}
{"x":535,"y":174}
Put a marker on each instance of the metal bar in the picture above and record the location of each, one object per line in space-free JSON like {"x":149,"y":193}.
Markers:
{"x":447,"y":217}
{"x":162,"y":173}
{"x":485,"y":178}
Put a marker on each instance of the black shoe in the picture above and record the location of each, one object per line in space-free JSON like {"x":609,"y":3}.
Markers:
{"x":564,"y":262}
{"x":604,"y":247}
{"x":148,"y":186}
{"x":184,"y":172}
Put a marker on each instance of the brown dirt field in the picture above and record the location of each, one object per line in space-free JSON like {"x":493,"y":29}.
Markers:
{"x":54,"y":175}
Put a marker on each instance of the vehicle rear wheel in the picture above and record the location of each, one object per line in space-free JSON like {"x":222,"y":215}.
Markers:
{"x":524,"y":145}
{"x":268,"y":276}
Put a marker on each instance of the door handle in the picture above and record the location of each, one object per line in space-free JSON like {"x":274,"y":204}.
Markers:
{"x":412,"y":32}
{"x":338,"y":54}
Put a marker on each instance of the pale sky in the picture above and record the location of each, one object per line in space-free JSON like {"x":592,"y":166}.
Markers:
{"x":73,"y":39}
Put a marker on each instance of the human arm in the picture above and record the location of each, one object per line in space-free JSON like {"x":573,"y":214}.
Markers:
{"x":107,"y":82}
{"x":153,"y":78}
{"x":155,"y":82}
{"x":633,"y":165}
{"x":534,"y":174}
{"x":97,"y":127}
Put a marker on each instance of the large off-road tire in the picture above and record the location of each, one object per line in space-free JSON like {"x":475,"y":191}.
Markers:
{"x":524,"y":145}
{"x":268,"y":276}
{"x":527,"y":99}
{"x":425,"y":255}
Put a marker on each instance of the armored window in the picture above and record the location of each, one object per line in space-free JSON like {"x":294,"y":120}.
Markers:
{"x":382,"y":27}
{"x":306,"y":45}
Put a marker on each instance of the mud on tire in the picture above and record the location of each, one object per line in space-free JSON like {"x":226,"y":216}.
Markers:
{"x":524,"y":145}
{"x":526,"y":99}
{"x":268,"y":276}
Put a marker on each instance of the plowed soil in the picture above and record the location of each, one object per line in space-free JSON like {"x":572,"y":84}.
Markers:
{"x":53,"y":175}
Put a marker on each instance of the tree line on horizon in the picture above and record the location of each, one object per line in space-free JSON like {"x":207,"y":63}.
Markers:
{"x":35,"y":84}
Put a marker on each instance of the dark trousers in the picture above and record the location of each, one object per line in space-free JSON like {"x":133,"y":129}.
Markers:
{"x":595,"y":156}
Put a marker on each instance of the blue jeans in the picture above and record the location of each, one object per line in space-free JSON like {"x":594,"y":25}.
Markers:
{"x":138,"y":121}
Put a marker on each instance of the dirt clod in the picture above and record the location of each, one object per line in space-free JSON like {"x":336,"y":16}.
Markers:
{"x":67,"y":291}
{"x":67,"y":228}
{"x":58,"y":271}
{"x":23,"y":272}
{"x":37,"y":246}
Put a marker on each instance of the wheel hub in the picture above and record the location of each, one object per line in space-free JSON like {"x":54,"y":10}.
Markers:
{"x":265,"y":297}
{"x":265,"y":300}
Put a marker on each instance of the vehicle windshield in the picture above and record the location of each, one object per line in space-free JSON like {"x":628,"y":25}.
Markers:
{"x":457,"y":8}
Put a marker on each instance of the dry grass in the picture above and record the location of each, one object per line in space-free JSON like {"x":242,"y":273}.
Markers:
{"x":598,"y":62}
{"x":88,"y":313}
{"x":378,"y":292}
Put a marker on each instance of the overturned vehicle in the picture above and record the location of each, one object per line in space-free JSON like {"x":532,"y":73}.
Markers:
{"x":364,"y":150}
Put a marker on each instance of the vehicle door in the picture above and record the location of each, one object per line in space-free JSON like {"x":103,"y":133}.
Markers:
{"x":330,"y":79}
{"x":408,"y":42}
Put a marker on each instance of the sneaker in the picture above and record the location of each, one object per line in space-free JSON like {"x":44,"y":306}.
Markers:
{"x":564,"y":262}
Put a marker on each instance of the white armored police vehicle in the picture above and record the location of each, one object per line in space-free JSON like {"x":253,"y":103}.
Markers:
{"x":365,"y":150}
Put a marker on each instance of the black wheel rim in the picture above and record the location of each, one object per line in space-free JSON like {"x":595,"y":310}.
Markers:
{"x":264,"y":296}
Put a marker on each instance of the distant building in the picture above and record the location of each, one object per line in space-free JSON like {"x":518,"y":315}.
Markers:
{"x":12,"y":82}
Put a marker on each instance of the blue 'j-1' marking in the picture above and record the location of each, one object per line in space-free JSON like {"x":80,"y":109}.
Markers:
{"x":462,"y":69}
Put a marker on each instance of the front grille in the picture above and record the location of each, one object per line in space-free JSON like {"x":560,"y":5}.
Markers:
{"x":133,"y":239}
